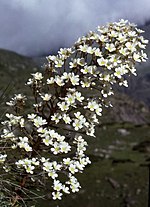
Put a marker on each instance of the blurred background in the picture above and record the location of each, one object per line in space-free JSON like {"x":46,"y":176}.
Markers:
{"x":33,"y":29}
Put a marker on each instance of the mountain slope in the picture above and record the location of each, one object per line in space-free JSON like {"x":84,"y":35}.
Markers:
{"x":15,"y":68}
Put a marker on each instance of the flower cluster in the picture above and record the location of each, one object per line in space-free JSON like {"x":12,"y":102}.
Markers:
{"x":68,"y":99}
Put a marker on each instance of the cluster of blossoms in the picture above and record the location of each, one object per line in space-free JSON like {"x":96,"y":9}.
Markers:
{"x":48,"y":138}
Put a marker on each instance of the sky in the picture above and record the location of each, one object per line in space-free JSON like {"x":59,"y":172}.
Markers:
{"x":41,"y":27}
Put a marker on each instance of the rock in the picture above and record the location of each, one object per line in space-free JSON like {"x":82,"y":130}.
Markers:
{"x":143,"y":146}
{"x":123,"y":132}
{"x":113,"y":183}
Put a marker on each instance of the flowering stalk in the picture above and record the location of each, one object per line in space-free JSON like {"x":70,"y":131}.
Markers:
{"x":47,"y":139}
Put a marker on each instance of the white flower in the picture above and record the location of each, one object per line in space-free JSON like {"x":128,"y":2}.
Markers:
{"x":65,"y":147}
{"x":52,"y":174}
{"x":27,"y":162}
{"x":124,"y":51}
{"x":137,"y":57}
{"x":131,"y":46}
{"x":66,"y":118}
{"x":81,"y":148}
{"x":31,"y":116}
{"x":94,"y":36}
{"x":110,"y":47}
{"x":57,"y":195}
{"x":77,"y":114}
{"x":46,"y":97}
{"x":19,"y":163}
{"x":52,"y":57}
{"x":56,"y":166}
{"x":98,"y":111}
{"x":98,"y":53}
{"x":73,"y":64}
{"x":132,"y":34}
{"x":65,"y":76}
{"x":22,"y":122}
{"x":102,"y":61}
{"x":139,"y":30}
{"x":65,"y":189}
{"x":141,"y":45}
{"x":70,"y":99}
{"x":74,"y":79}
{"x":79,"y":96}
{"x":59,"y":63}
{"x":67,"y":161}
{"x":80,"y":166}
{"x":43,"y":159}
{"x":47,"y":141}
{"x":92,"y":105}
{"x":91,"y":130}
{"x":50,"y":80}
{"x":19,"y":96}
{"x":56,"y":148}
{"x":29,"y":169}
{"x":59,"y":81}
{"x":23,"y":139}
{"x":24,"y":144}
{"x":3,"y":158}
{"x":85,"y":70}
{"x":63,"y":106}
{"x":53,"y":134}
{"x":91,"y":50}
{"x":56,"y":117}
{"x":122,"y":22}
{"x":29,"y":82}
{"x":122,"y":38}
{"x":42,"y":130}
{"x":106,"y":77}
{"x":77,"y":124}
{"x":75,"y":187}
{"x":57,"y":185}
{"x":13,"y":120}
{"x":83,"y":48}
{"x":120,"y":71}
{"x":47,"y":166}
{"x":143,"y":40}
{"x":27,"y":147}
{"x":38,"y":76}
{"x":65,"y":52}
{"x":125,"y":83}
{"x":73,"y":169}
{"x":8,"y":135}
{"x":113,"y":33}
{"x":85,"y":160}
{"x":39,"y":121}
{"x":86,"y":83}
{"x":81,"y":61}
{"x":60,"y":138}
{"x":35,"y":161}
{"x":144,"y":56}
{"x":103,"y":38}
